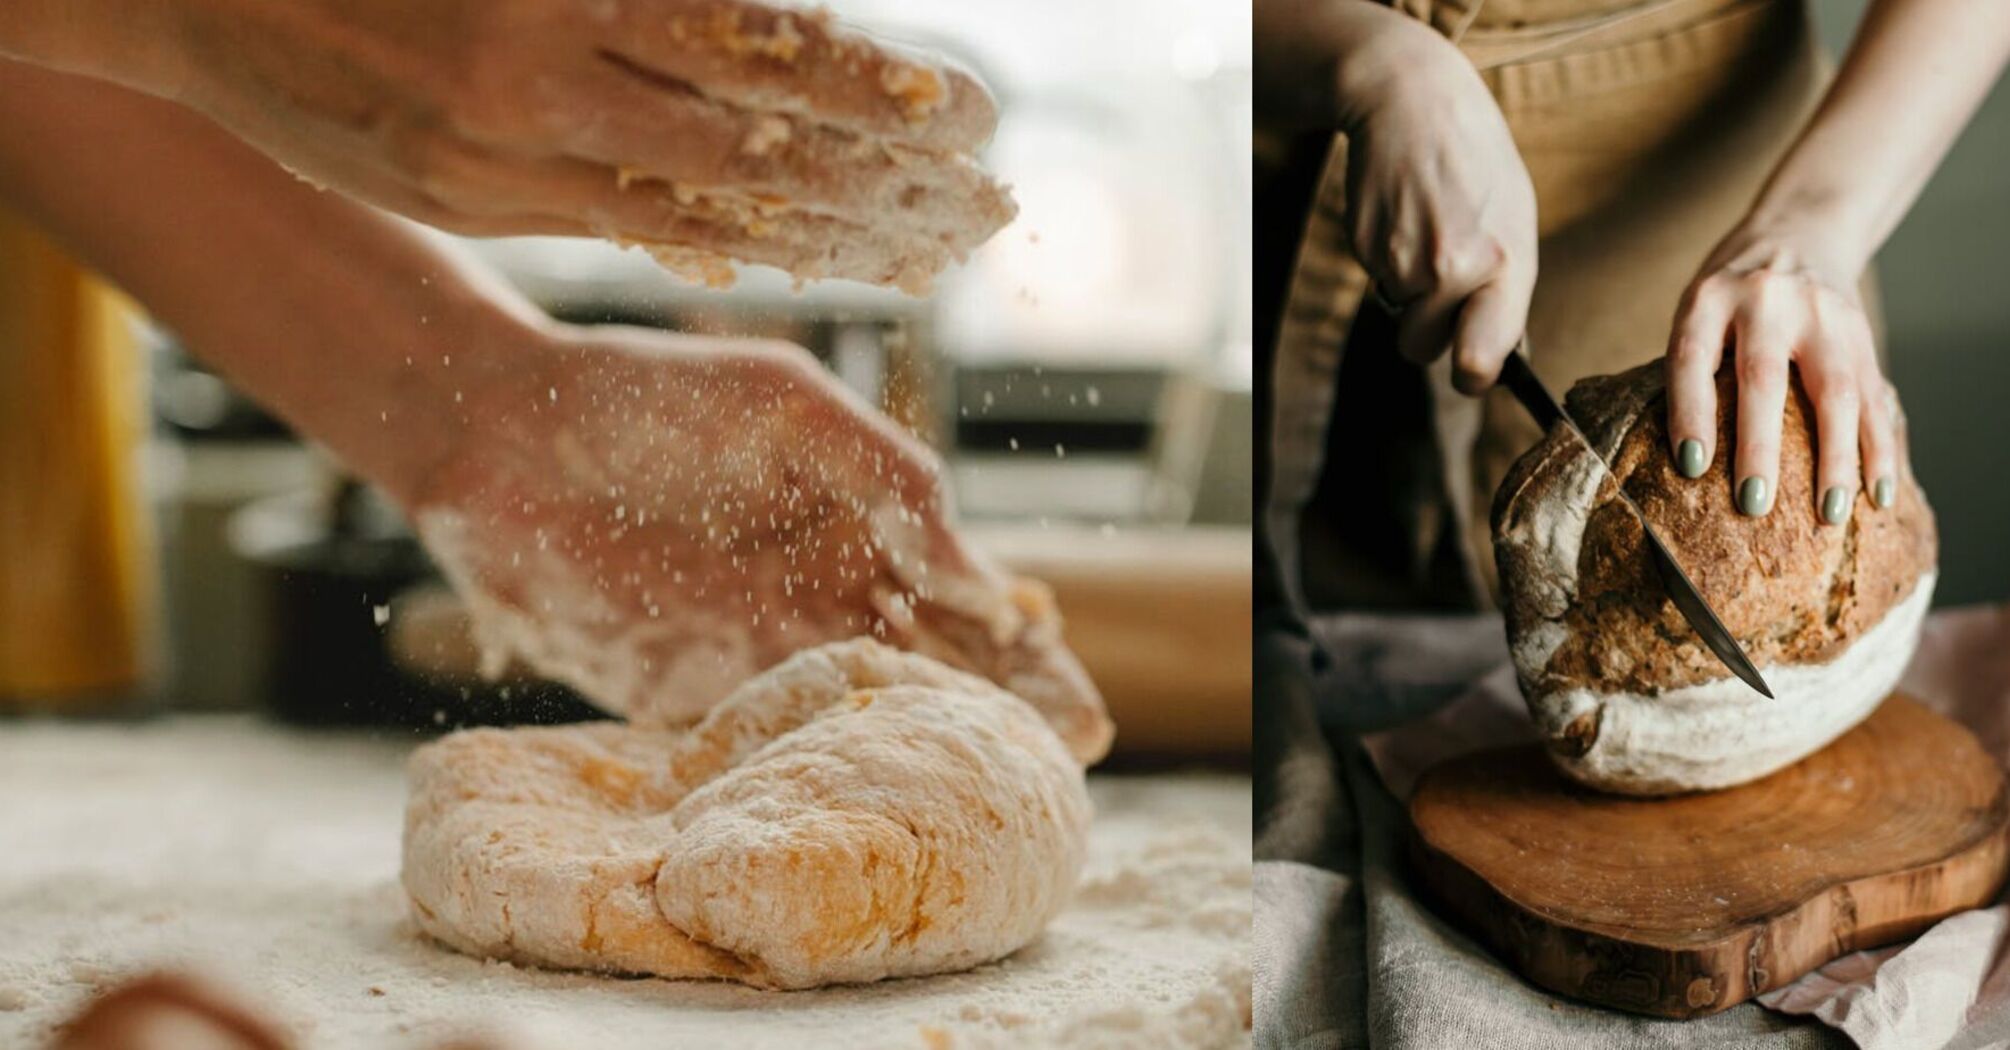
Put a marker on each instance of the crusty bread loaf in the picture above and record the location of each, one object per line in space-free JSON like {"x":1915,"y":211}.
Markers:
{"x":1623,"y":691}
{"x":854,"y":813}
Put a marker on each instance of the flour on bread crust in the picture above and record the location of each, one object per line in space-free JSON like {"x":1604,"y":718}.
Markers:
{"x":1625,"y":694}
{"x":854,"y":813}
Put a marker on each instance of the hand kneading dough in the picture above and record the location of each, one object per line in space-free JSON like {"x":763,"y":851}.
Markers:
{"x":854,"y":813}
{"x":1623,"y":691}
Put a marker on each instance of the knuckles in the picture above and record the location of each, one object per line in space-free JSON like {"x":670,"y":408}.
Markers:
{"x":1468,"y":262}
{"x":1760,"y":368}
{"x":1418,"y":263}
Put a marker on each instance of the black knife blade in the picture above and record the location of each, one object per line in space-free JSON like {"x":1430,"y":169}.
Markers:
{"x":1521,"y":381}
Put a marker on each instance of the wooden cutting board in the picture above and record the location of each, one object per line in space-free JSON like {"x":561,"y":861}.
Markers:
{"x":1680,"y":907}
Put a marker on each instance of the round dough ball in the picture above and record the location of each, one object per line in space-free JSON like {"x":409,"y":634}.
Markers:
{"x":854,"y":813}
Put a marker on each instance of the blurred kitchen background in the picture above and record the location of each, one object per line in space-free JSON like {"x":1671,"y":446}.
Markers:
{"x":1086,"y":375}
{"x":1948,"y":321}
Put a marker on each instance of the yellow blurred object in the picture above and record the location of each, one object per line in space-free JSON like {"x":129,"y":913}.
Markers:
{"x":76,"y":571}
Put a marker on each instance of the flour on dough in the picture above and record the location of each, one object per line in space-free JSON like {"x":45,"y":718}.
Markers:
{"x":855,"y":813}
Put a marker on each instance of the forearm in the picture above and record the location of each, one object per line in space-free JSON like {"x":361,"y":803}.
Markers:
{"x":1321,"y":62}
{"x":1914,"y":75}
{"x":349,"y":324}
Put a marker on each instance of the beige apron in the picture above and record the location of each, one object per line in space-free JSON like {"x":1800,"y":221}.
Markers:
{"x":1647,"y":129}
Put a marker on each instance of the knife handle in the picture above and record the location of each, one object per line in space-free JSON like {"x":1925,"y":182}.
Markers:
{"x":1521,"y":381}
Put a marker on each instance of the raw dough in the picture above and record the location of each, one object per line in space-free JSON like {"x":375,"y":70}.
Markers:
{"x":855,"y":813}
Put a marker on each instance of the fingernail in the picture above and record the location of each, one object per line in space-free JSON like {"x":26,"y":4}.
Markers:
{"x":1689,"y":458}
{"x":1754,"y":499}
{"x":1835,"y":505}
{"x":1885,"y":492}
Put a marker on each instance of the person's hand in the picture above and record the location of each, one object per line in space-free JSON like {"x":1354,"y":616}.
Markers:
{"x":654,"y":518}
{"x":1782,"y":301}
{"x":1440,"y":209}
{"x":729,"y":126}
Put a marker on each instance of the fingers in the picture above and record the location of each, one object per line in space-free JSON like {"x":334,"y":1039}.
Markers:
{"x":1023,"y":651}
{"x":1480,"y":329}
{"x":641,"y":126}
{"x":864,"y":453}
{"x":1783,"y":326}
{"x":1878,"y":431}
{"x":1764,"y":346}
{"x":1831,"y":383}
{"x":1489,"y":327}
{"x":1424,"y":328}
{"x":756,"y":57}
{"x":1476,"y":308}
{"x":687,"y":228}
{"x":1695,"y":350}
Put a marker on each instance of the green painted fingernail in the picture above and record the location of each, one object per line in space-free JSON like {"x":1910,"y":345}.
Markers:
{"x":1835,"y":505}
{"x":1754,"y":499}
{"x":1689,"y":458}
{"x":1885,"y":492}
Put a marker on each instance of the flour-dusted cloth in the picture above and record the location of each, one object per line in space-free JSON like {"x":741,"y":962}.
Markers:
{"x":1406,"y":692}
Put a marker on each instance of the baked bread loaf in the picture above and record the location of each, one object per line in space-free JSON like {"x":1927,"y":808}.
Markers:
{"x":854,"y":813}
{"x":1626,"y":696}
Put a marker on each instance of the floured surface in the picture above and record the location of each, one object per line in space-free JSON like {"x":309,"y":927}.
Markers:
{"x":270,"y":859}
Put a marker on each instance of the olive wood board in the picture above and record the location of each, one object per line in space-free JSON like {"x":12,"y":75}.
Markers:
{"x":1683,"y":906}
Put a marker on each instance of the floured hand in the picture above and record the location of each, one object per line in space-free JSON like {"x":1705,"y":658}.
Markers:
{"x":652,"y":519}
{"x":704,"y":129}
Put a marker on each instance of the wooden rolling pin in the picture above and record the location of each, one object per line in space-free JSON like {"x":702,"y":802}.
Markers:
{"x":1161,"y":618}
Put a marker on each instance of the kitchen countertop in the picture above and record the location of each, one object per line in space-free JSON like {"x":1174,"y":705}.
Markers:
{"x":268,"y":858}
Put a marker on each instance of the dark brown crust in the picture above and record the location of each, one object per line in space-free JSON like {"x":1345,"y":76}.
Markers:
{"x":1792,"y":590}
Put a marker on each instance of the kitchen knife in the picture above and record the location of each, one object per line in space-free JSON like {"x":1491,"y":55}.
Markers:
{"x":1521,"y":380}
